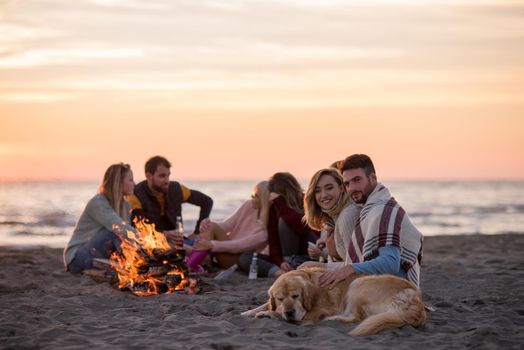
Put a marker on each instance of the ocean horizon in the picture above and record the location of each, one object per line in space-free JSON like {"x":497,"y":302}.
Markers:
{"x":44,"y":213}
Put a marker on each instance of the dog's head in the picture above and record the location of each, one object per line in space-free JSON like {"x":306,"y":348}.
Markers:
{"x":293,"y":295}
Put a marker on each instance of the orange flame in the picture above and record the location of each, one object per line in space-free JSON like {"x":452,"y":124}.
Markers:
{"x":132,"y":263}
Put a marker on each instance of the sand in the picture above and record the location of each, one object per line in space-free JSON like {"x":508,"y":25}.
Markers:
{"x":476,"y":284}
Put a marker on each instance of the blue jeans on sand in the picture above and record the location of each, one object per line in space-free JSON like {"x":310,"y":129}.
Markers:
{"x":102,"y":245}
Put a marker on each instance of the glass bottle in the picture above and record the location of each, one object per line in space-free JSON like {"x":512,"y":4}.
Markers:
{"x":253,"y":268}
{"x":179,"y":228}
{"x":179,"y":225}
{"x":224,"y":275}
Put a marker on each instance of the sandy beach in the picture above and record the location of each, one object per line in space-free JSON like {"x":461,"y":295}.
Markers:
{"x":475,"y":283}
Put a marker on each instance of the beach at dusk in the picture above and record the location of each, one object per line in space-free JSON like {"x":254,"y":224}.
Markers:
{"x":472,"y":273}
{"x":474,"y":283}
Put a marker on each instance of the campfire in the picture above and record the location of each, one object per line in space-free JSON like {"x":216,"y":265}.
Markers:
{"x":148,"y":264}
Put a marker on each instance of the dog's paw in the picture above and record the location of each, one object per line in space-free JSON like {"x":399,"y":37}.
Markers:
{"x":265,"y":314}
{"x":248,"y":313}
{"x":253,"y":312}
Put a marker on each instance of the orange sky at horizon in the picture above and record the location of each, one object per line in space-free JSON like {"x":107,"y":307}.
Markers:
{"x":211,"y":148}
{"x":430,"y":89}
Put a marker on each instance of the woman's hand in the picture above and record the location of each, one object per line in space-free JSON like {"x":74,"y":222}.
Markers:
{"x":206,"y":225}
{"x":273,"y":196}
{"x":313,"y":251}
{"x":203,"y":244}
{"x":329,"y":230}
{"x":332,"y":247}
{"x":286,"y":266}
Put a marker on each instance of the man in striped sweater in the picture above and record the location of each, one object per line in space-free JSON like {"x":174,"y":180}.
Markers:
{"x":384,"y":240}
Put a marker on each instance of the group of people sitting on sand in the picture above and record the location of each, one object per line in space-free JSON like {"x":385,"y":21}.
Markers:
{"x":345,"y":221}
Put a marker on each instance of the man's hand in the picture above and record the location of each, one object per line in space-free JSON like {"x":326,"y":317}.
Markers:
{"x":176,"y":237}
{"x":332,"y":277}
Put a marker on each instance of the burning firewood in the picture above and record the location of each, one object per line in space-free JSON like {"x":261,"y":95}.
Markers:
{"x":147,"y":264}
{"x":157,"y":271}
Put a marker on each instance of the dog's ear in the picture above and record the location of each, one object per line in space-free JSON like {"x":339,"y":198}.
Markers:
{"x":309,"y":295}
{"x":272,"y":305}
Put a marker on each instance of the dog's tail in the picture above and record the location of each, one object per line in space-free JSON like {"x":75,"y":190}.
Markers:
{"x":406,"y":309}
{"x":377,"y":323}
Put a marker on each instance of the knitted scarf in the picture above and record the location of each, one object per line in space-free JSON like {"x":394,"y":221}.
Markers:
{"x":383,"y":222}
{"x":342,"y":218}
{"x":337,"y":208}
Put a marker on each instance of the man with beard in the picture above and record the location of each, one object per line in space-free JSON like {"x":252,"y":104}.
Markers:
{"x":159,"y":200}
{"x":384,"y":240}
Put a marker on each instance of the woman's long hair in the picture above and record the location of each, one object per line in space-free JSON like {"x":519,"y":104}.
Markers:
{"x":314,"y":216}
{"x":263,"y":195}
{"x":288,"y":187}
{"x":112,"y":189}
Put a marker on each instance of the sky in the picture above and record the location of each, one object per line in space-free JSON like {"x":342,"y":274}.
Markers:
{"x":230,"y":90}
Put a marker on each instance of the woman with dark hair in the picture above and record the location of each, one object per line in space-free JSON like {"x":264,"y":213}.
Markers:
{"x":105,"y":216}
{"x":288,"y":235}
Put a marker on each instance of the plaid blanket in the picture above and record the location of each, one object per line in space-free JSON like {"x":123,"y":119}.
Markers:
{"x":383,"y":222}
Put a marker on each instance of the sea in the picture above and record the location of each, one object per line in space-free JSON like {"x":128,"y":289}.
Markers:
{"x":45,"y":213}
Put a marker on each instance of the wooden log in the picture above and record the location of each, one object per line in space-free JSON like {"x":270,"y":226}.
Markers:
{"x":156,"y":270}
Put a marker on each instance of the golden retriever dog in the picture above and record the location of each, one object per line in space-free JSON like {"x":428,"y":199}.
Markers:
{"x":377,"y":302}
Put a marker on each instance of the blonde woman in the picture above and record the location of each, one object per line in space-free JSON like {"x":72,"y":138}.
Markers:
{"x":245,"y":230}
{"x":105,"y":214}
{"x":328,"y":207}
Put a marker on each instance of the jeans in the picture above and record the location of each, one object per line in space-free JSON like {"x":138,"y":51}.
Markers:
{"x":102,"y":245}
{"x":292,"y":243}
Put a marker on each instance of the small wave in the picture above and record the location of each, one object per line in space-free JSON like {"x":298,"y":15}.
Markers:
{"x":37,"y":224}
{"x":518,"y":207}
{"x":494,"y":209}
{"x":11,"y":223}
{"x":470,"y":211}
{"x":57,"y":219}
{"x":446,"y":224}
{"x":38,"y":234}
{"x":420,"y":214}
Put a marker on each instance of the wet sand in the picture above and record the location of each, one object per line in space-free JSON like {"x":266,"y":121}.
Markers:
{"x":475,"y":283}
